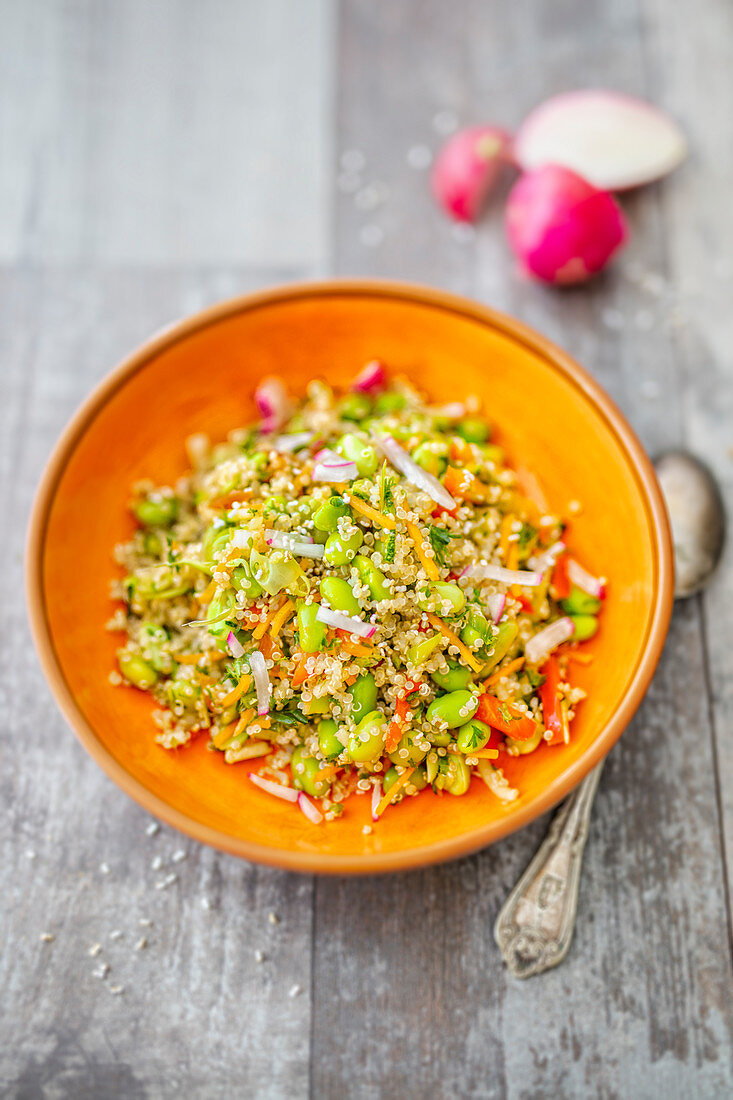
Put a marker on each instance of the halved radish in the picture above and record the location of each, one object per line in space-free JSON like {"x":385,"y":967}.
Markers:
{"x":466,"y":168}
{"x":612,"y":140}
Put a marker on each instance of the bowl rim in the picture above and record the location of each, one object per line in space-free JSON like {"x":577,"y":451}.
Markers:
{"x":309,"y":862}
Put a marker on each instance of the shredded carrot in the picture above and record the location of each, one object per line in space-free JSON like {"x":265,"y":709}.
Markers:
{"x":453,"y":638}
{"x":188,"y":658}
{"x":421,"y":546}
{"x":213,"y":655}
{"x":379,"y":518}
{"x":301,"y":672}
{"x":237,"y":692}
{"x":283,"y":614}
{"x":464,"y":452}
{"x":393,"y":790}
{"x":326,"y":773}
{"x":272,"y":611}
{"x":512,"y":560}
{"x":485,"y":754}
{"x":506,"y":530}
{"x":234,"y":729}
{"x":208,"y":593}
{"x":270,"y":651}
{"x":507,"y":670}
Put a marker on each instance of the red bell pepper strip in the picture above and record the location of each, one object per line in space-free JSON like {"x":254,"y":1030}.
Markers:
{"x":560,"y":579}
{"x":506,"y":717}
{"x":551,"y":703}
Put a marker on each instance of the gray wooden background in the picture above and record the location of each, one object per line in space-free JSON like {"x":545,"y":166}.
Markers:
{"x":155,"y":157}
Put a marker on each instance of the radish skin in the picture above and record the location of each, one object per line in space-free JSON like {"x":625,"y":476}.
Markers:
{"x":561,"y":228}
{"x":466,"y":169}
{"x":614,"y":141}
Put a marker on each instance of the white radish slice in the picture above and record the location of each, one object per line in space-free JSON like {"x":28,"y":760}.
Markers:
{"x":613,"y":141}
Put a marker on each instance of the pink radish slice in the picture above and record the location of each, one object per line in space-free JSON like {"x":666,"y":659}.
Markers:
{"x":376,"y":799}
{"x":612,"y":140}
{"x":540,"y":646}
{"x":466,"y":168}
{"x":277,"y":789}
{"x":371,"y":378}
{"x":311,"y":812}
{"x":562,"y":229}
{"x":272,"y":401}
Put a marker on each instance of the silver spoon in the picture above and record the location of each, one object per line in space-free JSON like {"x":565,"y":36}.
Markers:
{"x":535,"y":925}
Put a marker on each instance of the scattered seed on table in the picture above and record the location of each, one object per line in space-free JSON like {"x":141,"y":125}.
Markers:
{"x":156,"y":863}
{"x":259,"y":956}
{"x":115,"y":934}
{"x":205,"y":903}
{"x":115,"y":990}
{"x":141,"y":943}
{"x":145,"y":922}
{"x":295,"y":990}
{"x":101,"y":971}
{"x":273,"y":918}
{"x":47,"y":937}
{"x":419,"y":157}
{"x":167,"y":881}
{"x":104,"y":868}
{"x":94,"y":950}
{"x":30,"y":854}
{"x":152,"y":828}
{"x":178,"y":855}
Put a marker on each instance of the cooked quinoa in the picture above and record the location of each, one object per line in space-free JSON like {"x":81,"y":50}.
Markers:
{"x":354,"y":595}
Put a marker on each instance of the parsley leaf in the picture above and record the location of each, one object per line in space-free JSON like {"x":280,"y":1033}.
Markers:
{"x":288,"y":717}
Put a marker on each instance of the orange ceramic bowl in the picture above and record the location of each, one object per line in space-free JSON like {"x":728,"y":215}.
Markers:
{"x":199,"y":376}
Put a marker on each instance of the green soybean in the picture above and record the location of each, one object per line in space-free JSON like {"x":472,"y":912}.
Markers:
{"x":359,"y":452}
{"x":356,"y":406}
{"x":438,"y":594}
{"x":432,"y":763}
{"x":454,"y":679}
{"x":388,"y":403}
{"x":341,"y":548}
{"x":430,"y":459}
{"x":473,"y":736}
{"x":243,"y":581}
{"x":138,"y":671}
{"x":319,"y":705}
{"x":420,"y":652}
{"x":311,"y":632}
{"x":275,"y":504}
{"x":182,"y":691}
{"x":473,"y":429}
{"x":304,"y":769}
{"x":418,"y":780}
{"x":156,"y":513}
{"x":580,"y":602}
{"x":373,"y":578}
{"x":523,"y":747}
{"x":328,"y":514}
{"x":454,"y":775}
{"x":328,"y":742}
{"x":453,"y":709}
{"x":501,"y":644}
{"x":407,"y":752}
{"x":152,"y":544}
{"x":585,"y":627}
{"x":367,"y":742}
{"x":477,"y":631}
{"x":152,"y":640}
{"x":339,"y":594}
{"x":363,"y":696}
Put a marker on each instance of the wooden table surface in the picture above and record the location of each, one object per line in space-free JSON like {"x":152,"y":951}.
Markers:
{"x":156,"y":157}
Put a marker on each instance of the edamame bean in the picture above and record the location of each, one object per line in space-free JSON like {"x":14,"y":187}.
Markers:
{"x":355,"y":407}
{"x":521,"y":748}
{"x":418,"y":780}
{"x":453,"y":709}
{"x":341,"y":548}
{"x":585,"y":627}
{"x":160,"y":512}
{"x":304,"y":769}
{"x":454,"y":774}
{"x":440,"y":593}
{"x":473,"y":429}
{"x":359,"y":452}
{"x":407,"y":752}
{"x":152,"y":640}
{"x":328,"y":742}
{"x":182,"y":692}
{"x":390,"y":778}
{"x":388,"y":403}
{"x":501,"y":643}
{"x":373,"y":578}
{"x":431,"y":766}
{"x":328,"y":514}
{"x":152,"y":544}
{"x":473,"y":736}
{"x":363,"y":696}
{"x":311,"y":632}
{"x":421,"y":652}
{"x":138,"y":671}
{"x":367,"y":742}
{"x":317,"y":705}
{"x":492,"y":453}
{"x":340,"y":596}
{"x":227,"y":716}
{"x":243,"y":581}
{"x":454,"y":679}
{"x":477,"y":631}
{"x":431,"y":459}
{"x":580,"y":602}
{"x":275,"y":504}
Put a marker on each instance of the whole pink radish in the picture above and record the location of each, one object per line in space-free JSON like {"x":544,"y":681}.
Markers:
{"x":562,"y":229}
{"x":466,"y":169}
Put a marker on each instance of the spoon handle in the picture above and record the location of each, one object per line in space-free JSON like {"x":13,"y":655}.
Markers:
{"x":535,"y":925}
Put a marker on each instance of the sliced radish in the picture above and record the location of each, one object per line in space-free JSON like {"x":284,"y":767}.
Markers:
{"x":612,"y":140}
{"x":376,"y":799}
{"x":523,"y":577}
{"x":581,"y":578}
{"x":339,"y":621}
{"x":562,"y":229}
{"x":261,"y":677}
{"x":495,"y":605}
{"x":300,"y":545}
{"x":235,"y":646}
{"x":466,"y":168}
{"x":415,"y":474}
{"x":310,"y":811}
{"x":540,"y":646}
{"x":279,"y":791}
{"x":272,"y":401}
{"x":335,"y":471}
{"x":371,"y":378}
{"x":292,"y":442}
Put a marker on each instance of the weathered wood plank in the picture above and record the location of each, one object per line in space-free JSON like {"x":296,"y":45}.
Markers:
{"x":199,"y":1014}
{"x":408,"y":986}
{"x":174,"y":131}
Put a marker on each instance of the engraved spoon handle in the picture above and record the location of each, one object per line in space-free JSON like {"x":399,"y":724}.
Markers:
{"x":535,"y":925}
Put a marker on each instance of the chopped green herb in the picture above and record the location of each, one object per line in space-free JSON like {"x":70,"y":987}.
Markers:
{"x":440,"y":539}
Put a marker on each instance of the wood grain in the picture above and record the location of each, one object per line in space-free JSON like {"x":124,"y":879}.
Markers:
{"x":156,"y":158}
